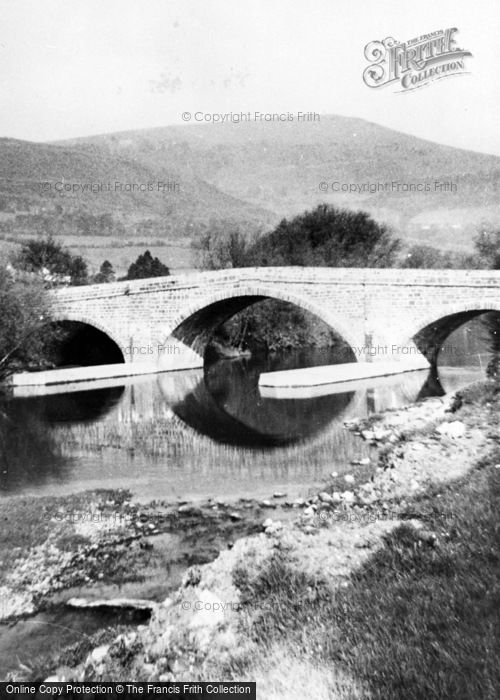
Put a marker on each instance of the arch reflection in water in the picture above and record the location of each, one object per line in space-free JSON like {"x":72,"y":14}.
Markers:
{"x":226,"y":406}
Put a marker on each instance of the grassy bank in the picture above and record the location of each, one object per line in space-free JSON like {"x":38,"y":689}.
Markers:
{"x":420,"y":618}
{"x":416,"y":621}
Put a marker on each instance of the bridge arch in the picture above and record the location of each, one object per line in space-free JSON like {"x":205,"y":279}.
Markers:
{"x":433,"y":330}
{"x":113,"y":342}
{"x":195,"y":325}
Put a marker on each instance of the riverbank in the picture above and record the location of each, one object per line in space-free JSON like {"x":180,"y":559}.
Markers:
{"x":105,"y":550}
{"x":385,"y":585}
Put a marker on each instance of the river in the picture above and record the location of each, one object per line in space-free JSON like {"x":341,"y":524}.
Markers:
{"x":196,"y":434}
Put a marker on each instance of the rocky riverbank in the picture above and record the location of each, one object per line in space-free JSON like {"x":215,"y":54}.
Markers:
{"x":289,"y":601}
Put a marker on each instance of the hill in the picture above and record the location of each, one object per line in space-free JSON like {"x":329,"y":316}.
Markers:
{"x":278,"y":166}
{"x":88,"y":189}
{"x":252,"y":172}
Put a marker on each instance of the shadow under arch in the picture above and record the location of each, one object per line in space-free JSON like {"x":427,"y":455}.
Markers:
{"x":83,"y":343}
{"x":196,"y":325}
{"x":430,"y":339}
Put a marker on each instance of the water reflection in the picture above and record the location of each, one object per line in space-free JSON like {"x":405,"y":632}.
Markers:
{"x":228,"y":407}
{"x":76,"y":406}
{"x":29,"y":453}
{"x":193,"y":434}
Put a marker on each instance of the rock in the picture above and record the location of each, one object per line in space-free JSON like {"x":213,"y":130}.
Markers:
{"x":361,"y":462}
{"x":279,"y":494}
{"x":274,"y":527}
{"x":334,"y":475}
{"x":123,"y":603}
{"x":454,"y":429}
{"x":367,"y":434}
{"x":336,"y":497}
{"x":299,"y":503}
{"x":381,"y":434}
{"x":267,"y":504}
{"x":349,"y":479}
{"x":235,"y":516}
{"x":267,"y":523}
{"x":127,"y":640}
{"x":325,"y":497}
{"x":347,"y":496}
{"x":351,"y":423}
{"x":98,"y":655}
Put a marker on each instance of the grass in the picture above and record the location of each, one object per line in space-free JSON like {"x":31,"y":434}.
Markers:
{"x":417,"y":621}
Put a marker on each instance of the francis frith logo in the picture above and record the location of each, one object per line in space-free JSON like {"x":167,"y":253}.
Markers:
{"x":416,"y":62}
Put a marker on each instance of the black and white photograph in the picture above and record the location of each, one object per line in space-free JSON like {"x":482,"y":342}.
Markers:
{"x":249,"y":349}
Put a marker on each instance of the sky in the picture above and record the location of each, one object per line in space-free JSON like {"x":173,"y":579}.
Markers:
{"x":82,"y":67}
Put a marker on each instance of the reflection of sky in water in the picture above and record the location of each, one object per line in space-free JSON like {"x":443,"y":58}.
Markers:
{"x":189,"y":435}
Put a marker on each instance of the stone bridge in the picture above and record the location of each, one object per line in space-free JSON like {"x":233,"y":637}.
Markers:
{"x":383,"y":314}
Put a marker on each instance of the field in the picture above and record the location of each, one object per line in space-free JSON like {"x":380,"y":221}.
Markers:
{"x":120,"y":253}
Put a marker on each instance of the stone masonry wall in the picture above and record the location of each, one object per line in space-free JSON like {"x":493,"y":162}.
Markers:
{"x":368,"y":307}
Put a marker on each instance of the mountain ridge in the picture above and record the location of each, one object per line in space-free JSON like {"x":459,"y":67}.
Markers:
{"x":261,"y":172}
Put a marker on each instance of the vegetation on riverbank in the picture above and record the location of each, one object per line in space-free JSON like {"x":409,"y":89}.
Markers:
{"x":25,"y":311}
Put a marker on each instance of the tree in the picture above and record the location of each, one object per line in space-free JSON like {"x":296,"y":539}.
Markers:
{"x":105,"y":274}
{"x":224,"y":245}
{"x":487,"y":244}
{"x":429,"y":258}
{"x":327,"y":236}
{"x":50,"y":261}
{"x":24,"y":334}
{"x":146,"y":266}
